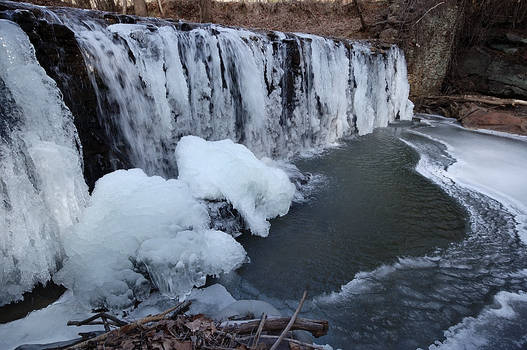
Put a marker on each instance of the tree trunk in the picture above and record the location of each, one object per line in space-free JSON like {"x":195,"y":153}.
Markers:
{"x":205,"y":7}
{"x":125,"y":4}
{"x":364,"y":27}
{"x":140,"y":8}
{"x":85,"y":4}
{"x":161,"y":11}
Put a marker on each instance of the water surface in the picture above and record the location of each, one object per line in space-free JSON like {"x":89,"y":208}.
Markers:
{"x":393,"y":259}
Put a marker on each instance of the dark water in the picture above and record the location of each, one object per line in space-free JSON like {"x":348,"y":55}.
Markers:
{"x":391,"y":259}
{"x":40,"y":297}
{"x":371,"y":208}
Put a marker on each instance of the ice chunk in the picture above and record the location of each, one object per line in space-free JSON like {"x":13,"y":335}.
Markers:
{"x":209,"y":300}
{"x":131,"y":220}
{"x":224,"y":170}
{"x":42,"y":189}
{"x":177,"y":264}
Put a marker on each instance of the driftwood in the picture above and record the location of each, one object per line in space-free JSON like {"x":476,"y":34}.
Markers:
{"x":181,"y":331}
{"x":259,"y":331}
{"x":130,"y":326}
{"x":106,"y":318}
{"x":318,"y":328}
{"x":489,"y":100}
{"x":290,"y":323}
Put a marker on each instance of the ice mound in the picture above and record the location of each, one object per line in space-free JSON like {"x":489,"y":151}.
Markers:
{"x":179,"y":263}
{"x":133,"y":224}
{"x":224,"y":170}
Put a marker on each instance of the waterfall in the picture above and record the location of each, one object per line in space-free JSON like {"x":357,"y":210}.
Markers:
{"x":277,"y":93}
{"x":153,"y":82}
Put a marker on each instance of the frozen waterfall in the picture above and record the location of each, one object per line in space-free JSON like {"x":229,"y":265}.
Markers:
{"x":153,"y":82}
{"x":42,"y":190}
{"x":276,"y":93}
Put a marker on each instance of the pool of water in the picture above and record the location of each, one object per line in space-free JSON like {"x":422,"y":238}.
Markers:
{"x":390,"y":257}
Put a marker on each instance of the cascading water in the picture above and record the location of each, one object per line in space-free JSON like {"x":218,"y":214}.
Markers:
{"x":154,"y":82}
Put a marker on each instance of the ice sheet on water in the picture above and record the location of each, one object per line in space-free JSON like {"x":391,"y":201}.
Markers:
{"x":223,"y":170}
{"x":138,"y":223}
{"x":491,"y":329}
{"x":42,"y":189}
{"x":490,"y":164}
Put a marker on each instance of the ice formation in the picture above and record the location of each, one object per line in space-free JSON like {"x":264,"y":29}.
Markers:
{"x":489,"y":164}
{"x":42,"y":189}
{"x":155,"y":82}
{"x":133,"y":223}
{"x":278,"y":94}
{"x":224,"y":170}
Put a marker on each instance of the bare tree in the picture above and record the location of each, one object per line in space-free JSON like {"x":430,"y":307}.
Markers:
{"x":105,"y":5}
{"x":161,"y":11}
{"x":205,"y":8}
{"x":140,"y":8}
{"x":85,"y":4}
{"x":125,"y":4}
{"x":359,"y":11}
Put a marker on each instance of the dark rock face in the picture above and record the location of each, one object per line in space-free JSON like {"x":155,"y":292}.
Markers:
{"x":58,"y":53}
{"x":490,"y":71}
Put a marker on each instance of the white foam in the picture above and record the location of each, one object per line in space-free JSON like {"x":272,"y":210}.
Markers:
{"x":364,"y":280}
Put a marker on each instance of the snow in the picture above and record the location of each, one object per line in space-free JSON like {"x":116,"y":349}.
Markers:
{"x":47,"y":325}
{"x":139,"y":223}
{"x":223,"y":170}
{"x":177,"y":264}
{"x":247,"y":309}
{"x":209,"y":301}
{"x":42,"y":189}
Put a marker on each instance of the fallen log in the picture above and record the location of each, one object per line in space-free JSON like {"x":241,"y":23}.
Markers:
{"x":318,"y":328}
{"x":290,"y":323}
{"x":490,"y":100}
